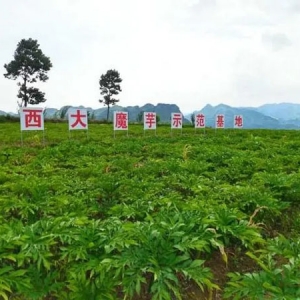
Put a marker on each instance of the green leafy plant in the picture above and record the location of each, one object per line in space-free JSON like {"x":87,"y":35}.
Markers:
{"x":278,"y":279}
{"x":155,"y":217}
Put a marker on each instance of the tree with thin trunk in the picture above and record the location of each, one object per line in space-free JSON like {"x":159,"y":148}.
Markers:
{"x":30,"y":65}
{"x":110,"y":86}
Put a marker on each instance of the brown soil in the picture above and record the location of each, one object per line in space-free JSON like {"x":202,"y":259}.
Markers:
{"x":237,"y":262}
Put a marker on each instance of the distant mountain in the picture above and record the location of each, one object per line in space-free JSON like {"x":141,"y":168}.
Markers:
{"x":62,"y":113}
{"x":163,"y":110}
{"x":282,"y":111}
{"x":50,"y":112}
{"x":252,"y":118}
{"x":3,"y":113}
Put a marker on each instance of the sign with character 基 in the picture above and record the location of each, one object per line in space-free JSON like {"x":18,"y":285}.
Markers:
{"x":220,"y":121}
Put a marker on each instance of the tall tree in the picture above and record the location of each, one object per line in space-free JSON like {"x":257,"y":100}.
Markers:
{"x":110,"y":86}
{"x":30,"y":65}
{"x":140,"y":117}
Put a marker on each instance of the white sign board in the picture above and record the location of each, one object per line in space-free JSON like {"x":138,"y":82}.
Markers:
{"x":220,"y":121}
{"x":32,"y":118}
{"x":78,"y":119}
{"x":149,"y":120}
{"x":120,"y":120}
{"x":176,"y":121}
{"x":238,"y":121}
{"x":199,"y":121}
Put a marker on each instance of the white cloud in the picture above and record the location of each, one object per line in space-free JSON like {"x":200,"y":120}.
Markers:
{"x":189,"y":52}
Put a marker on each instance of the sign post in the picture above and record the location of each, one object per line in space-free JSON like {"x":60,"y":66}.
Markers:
{"x":200,"y":121}
{"x":176,"y":121}
{"x":238,"y":121}
{"x":120,"y":121}
{"x":220,"y":122}
{"x":32,"y":118}
{"x":149,"y":121}
{"x":78,"y":120}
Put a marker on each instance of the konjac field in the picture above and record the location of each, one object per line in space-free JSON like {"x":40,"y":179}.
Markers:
{"x":192,"y":215}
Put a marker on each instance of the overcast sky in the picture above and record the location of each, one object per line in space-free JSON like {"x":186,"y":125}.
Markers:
{"x":187,"y":52}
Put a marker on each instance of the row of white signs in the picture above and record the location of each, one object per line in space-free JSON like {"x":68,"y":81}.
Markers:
{"x":33,"y":119}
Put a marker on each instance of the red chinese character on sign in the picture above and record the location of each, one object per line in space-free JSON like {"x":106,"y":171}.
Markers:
{"x":33,"y":117}
{"x":238,"y":121}
{"x":78,"y":120}
{"x":220,"y":121}
{"x":150,"y":119}
{"x":177,"y":120}
{"x":121,"y":120}
{"x":200,"y":120}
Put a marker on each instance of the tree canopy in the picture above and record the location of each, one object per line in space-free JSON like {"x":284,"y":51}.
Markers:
{"x":30,"y":65}
{"x":110,"y":86}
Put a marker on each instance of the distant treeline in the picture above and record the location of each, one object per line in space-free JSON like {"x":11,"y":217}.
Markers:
{"x":9,"y":118}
